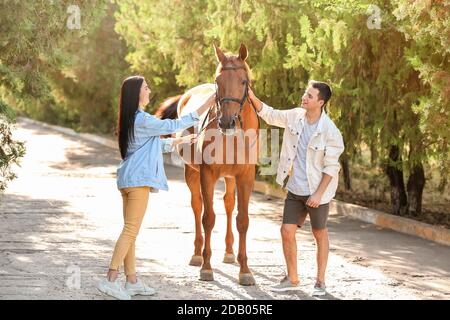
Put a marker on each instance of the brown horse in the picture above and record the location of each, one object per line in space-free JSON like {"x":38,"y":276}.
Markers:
{"x":232,"y":154}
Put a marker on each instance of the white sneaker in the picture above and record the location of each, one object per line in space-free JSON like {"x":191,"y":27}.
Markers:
{"x":139,"y":288}
{"x":319,"y":289}
{"x":114,"y":289}
{"x":286,"y":285}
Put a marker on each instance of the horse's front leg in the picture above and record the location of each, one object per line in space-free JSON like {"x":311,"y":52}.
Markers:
{"x":192,"y":178}
{"x":207,"y":181}
{"x":244,"y":189}
{"x":229,"y":200}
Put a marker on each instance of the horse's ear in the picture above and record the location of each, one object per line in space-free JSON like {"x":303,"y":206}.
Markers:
{"x":243,"y":53}
{"x":219,"y":54}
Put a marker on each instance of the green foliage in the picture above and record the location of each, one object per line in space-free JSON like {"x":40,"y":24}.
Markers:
{"x":388,"y":90}
{"x":30,"y":35}
{"x":426,"y":25}
{"x":74,"y":75}
{"x":87,"y":89}
{"x":391,"y":85}
{"x":10,"y":150}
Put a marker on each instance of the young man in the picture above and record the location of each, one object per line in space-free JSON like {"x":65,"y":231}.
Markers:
{"x":310,"y":154}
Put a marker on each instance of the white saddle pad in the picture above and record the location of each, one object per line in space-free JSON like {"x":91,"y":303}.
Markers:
{"x":198,"y":96}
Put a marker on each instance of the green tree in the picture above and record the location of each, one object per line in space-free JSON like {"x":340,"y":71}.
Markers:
{"x":426,"y":25}
{"x":377,"y":100}
{"x":31,"y":37}
{"x":86,"y":90}
{"x":166,"y":43}
{"x":170,"y":42}
{"x":10,"y":150}
{"x":31,"y":50}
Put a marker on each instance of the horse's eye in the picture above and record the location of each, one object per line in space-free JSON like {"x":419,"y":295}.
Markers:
{"x":244,"y":82}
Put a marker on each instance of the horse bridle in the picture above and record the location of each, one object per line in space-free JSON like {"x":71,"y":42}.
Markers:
{"x":232,"y":99}
{"x":241,"y":101}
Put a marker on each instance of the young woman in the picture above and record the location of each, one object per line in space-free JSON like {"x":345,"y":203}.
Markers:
{"x":140,"y":171}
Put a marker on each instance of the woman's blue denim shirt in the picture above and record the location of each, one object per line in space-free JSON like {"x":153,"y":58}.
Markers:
{"x":143,"y":164}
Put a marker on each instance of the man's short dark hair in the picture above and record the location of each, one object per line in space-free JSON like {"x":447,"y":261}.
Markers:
{"x":324,"y":90}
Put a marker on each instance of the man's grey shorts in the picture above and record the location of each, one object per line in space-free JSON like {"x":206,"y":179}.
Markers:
{"x":295,"y":211}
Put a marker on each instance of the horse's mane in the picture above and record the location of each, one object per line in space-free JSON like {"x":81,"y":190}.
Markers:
{"x":168,"y":108}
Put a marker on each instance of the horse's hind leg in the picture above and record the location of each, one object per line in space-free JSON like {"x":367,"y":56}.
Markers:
{"x":229,"y":200}
{"x":192,"y":178}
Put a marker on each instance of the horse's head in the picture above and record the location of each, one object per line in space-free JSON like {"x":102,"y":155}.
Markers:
{"x":233,"y":81}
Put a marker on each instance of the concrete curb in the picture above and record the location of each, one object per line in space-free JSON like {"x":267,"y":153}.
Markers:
{"x":437,"y":234}
{"x":426,"y":231}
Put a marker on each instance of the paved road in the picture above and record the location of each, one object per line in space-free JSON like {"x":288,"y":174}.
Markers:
{"x":61,"y":217}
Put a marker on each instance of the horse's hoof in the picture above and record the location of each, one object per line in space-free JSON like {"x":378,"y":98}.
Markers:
{"x":229,"y":258}
{"x":206,"y":275}
{"x":246,"y":279}
{"x":196,"y":261}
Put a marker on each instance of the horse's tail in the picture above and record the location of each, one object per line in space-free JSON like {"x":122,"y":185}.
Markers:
{"x":168,"y":108}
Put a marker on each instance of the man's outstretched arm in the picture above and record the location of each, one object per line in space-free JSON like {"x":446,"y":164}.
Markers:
{"x":270,"y":115}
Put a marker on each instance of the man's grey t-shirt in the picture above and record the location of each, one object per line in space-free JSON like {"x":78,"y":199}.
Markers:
{"x":298,"y":181}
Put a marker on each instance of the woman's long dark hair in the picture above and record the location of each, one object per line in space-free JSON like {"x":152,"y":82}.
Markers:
{"x":128,"y":105}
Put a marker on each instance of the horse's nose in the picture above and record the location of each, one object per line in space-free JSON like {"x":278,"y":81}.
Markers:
{"x":229,"y":125}
{"x":233,"y":124}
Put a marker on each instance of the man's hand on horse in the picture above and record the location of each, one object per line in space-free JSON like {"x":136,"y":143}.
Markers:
{"x":257,"y":103}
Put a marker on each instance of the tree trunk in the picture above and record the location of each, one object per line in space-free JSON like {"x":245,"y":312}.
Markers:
{"x":399,"y":199}
{"x":373,"y":153}
{"x":415,"y":186}
{"x":346,"y":172}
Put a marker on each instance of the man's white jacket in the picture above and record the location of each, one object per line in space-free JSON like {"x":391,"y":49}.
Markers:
{"x":323,"y":151}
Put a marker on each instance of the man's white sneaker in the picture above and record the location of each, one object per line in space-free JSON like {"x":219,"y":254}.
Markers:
{"x":114,"y":289}
{"x":285,"y":285}
{"x":139,"y":288}
{"x":319,"y":290}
